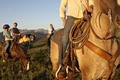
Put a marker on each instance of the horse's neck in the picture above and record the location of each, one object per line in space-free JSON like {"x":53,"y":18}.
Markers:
{"x":104,"y":5}
{"x":96,"y":6}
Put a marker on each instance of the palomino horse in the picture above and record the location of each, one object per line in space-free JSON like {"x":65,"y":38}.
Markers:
{"x":100,"y":51}
{"x":17,"y":52}
{"x":26,"y":41}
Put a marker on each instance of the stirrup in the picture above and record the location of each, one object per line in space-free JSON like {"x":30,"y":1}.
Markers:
{"x":61,"y":71}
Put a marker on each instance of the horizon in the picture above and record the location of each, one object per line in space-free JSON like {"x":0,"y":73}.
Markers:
{"x":30,"y":14}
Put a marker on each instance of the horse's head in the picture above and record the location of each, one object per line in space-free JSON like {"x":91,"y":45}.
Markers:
{"x":27,"y":39}
{"x":30,"y":37}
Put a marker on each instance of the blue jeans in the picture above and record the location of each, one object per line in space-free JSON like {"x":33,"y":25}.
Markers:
{"x":7,"y":47}
{"x":65,"y":37}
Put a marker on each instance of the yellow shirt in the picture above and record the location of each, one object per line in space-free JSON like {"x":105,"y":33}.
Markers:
{"x":75,"y":8}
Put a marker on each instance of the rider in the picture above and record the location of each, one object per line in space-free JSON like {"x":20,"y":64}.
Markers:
{"x":15,"y":31}
{"x":75,"y":9}
{"x":50,"y":33}
{"x":8,"y":39}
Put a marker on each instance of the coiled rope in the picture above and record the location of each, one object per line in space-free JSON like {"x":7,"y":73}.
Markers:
{"x":79,"y":33}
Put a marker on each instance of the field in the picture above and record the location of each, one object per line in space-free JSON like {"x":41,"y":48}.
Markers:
{"x":40,"y":65}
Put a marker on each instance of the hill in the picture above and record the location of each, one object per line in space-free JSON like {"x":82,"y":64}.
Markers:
{"x":40,"y":33}
{"x":40,"y":65}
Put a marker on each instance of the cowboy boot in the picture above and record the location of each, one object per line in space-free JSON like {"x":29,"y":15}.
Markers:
{"x":61,"y":72}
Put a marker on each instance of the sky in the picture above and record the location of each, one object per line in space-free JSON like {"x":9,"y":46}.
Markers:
{"x":30,"y":14}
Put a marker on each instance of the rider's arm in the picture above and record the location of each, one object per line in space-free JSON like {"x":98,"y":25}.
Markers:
{"x":7,"y":35}
{"x":62,"y":10}
{"x":63,"y":20}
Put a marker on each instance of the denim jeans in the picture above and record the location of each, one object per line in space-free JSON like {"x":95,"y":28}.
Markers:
{"x":65,"y":37}
{"x":7,"y":47}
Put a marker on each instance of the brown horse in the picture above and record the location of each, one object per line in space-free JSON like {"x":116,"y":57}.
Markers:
{"x":100,"y":52}
{"x":16,"y":53}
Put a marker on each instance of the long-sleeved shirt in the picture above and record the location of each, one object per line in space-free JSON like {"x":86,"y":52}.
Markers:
{"x":51,"y":31}
{"x":75,"y":8}
{"x":7,"y":34}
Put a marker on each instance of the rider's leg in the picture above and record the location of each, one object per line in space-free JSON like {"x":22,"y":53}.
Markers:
{"x":61,"y":72}
{"x":7,"y":47}
{"x":65,"y":38}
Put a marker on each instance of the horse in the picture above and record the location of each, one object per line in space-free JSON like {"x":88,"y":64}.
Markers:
{"x":16,"y":53}
{"x":26,"y":40}
{"x":99,"y":56}
{"x":19,"y":49}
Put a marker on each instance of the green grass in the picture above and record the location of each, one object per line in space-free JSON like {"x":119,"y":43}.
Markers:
{"x":40,"y":65}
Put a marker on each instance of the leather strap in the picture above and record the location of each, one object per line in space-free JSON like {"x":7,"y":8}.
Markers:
{"x":104,"y":54}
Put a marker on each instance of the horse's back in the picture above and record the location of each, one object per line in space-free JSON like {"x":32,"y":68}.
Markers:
{"x":57,"y":36}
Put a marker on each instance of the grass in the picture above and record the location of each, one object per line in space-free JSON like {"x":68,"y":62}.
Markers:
{"x":40,"y":65}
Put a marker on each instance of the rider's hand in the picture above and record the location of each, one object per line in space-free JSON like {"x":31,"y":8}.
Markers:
{"x":90,"y":9}
{"x":11,"y":39}
{"x":63,"y":21}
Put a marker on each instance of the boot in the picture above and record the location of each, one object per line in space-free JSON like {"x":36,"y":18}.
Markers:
{"x":61,"y":72}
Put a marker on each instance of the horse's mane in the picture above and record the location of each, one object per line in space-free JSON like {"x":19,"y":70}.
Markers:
{"x":28,"y":35}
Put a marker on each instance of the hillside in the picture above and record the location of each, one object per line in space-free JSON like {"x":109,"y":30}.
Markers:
{"x":40,"y":65}
{"x":40,"y":33}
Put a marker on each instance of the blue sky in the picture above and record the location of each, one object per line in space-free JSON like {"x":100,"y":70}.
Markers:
{"x":30,"y":14}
